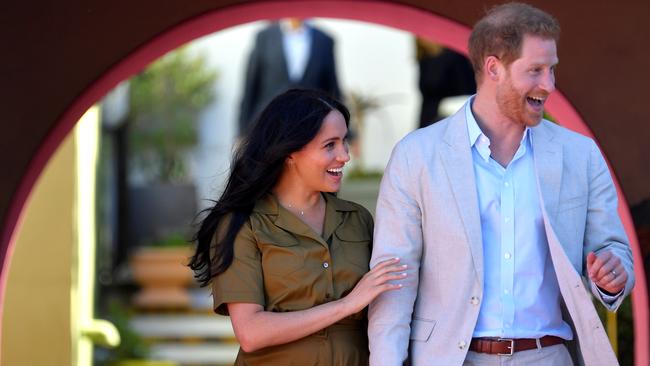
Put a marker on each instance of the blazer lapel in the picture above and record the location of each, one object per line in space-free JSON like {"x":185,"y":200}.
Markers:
{"x":548,"y":163}
{"x":457,"y":158}
{"x":276,"y":46}
{"x":315,"y":50}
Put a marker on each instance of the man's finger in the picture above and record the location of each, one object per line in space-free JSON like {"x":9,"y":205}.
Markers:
{"x":611,"y":264}
{"x":597,"y":263}
{"x":591,"y":257}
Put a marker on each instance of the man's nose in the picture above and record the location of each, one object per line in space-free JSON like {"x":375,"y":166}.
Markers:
{"x":548,"y":82}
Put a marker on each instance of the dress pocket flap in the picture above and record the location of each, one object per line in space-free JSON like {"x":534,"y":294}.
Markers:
{"x":421,"y":329}
{"x":277,"y":238}
{"x":353,"y":235}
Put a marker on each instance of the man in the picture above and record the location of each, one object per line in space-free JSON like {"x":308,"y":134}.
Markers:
{"x":288,"y":54}
{"x":505,"y":221}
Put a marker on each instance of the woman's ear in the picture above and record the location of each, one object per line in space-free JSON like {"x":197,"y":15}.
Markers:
{"x":289,"y":161}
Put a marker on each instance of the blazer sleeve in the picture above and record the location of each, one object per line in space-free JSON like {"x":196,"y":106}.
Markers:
{"x":250,"y":98}
{"x":604,"y":230}
{"x":398,"y":233}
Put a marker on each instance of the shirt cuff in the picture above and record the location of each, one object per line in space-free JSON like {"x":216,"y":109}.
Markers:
{"x":610,"y":299}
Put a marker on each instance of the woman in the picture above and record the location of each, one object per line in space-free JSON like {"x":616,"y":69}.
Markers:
{"x":287,"y":259}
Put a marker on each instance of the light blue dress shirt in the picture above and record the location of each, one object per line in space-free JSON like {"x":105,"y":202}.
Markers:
{"x":521,"y":298}
{"x":296,"y":45}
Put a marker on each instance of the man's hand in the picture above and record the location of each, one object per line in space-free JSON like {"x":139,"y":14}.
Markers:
{"x":606,"y":271}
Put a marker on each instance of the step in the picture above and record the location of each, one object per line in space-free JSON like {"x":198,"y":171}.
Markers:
{"x":178,"y":326}
{"x":211,"y":353}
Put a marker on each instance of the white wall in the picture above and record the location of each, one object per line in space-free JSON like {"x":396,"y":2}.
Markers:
{"x":373,"y":60}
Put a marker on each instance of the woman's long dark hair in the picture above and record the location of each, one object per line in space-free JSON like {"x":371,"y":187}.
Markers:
{"x":287,"y":124}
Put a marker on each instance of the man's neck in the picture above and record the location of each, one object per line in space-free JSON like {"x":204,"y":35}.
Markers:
{"x":504,"y":134}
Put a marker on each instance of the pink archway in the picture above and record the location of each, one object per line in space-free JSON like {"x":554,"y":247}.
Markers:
{"x":422,"y":23}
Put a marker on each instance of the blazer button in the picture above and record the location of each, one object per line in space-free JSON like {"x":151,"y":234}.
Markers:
{"x":474,"y":300}
{"x":462,"y":344}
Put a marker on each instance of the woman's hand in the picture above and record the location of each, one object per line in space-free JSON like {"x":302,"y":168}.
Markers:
{"x":256,"y":328}
{"x":374,"y":283}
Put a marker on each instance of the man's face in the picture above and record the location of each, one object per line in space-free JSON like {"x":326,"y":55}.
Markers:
{"x":528,"y":81}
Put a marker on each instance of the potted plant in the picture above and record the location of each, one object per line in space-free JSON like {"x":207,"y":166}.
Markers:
{"x":159,"y":268}
{"x":165,"y":101}
{"x":164,"y":104}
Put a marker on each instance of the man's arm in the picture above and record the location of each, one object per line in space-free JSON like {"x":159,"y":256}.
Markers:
{"x":605,"y":237}
{"x":398,"y":233}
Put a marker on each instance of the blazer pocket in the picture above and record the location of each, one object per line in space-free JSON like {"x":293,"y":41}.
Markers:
{"x":421,"y":329}
{"x":571,"y":203}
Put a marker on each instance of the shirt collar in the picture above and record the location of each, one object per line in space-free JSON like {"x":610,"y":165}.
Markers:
{"x":480,"y":141}
{"x":284,"y":219}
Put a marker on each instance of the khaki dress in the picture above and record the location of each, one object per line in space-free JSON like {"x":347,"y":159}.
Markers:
{"x":282,"y":264}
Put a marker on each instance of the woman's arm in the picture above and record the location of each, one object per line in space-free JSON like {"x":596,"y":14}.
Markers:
{"x":256,"y":328}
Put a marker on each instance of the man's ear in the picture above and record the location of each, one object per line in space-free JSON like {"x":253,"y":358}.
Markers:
{"x":492,"y":67}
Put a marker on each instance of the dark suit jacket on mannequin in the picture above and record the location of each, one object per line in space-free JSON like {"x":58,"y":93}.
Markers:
{"x":267,"y":74}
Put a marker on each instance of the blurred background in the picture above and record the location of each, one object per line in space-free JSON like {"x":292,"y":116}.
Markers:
{"x":141,"y":164}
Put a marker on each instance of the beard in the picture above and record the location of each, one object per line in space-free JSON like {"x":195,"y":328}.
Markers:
{"x":515,"y":106}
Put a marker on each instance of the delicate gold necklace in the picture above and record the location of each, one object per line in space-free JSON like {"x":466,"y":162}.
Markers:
{"x":302,"y":211}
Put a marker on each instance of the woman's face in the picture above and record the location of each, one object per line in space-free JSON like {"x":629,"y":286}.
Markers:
{"x":318,"y":166}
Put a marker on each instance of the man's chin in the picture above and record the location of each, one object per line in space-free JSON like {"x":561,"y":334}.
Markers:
{"x":533,"y":121}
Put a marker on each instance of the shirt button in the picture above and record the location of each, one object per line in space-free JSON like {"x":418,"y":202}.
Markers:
{"x":507,"y":219}
{"x":462,"y":344}
{"x":506,"y":184}
{"x":326,"y":265}
{"x":507,"y":325}
{"x":507,"y":255}
{"x":506,"y":291}
{"x":474,"y":300}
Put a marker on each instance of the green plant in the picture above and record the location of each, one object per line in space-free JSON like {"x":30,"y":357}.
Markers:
{"x":164,"y":103}
{"x":171,"y":240}
{"x":132,"y":346}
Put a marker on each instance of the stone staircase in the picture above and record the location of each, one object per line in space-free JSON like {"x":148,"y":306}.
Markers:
{"x":189,"y":337}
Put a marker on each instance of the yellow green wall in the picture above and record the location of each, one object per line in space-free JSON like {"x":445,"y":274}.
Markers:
{"x":48,"y":302}
{"x":37,"y":321}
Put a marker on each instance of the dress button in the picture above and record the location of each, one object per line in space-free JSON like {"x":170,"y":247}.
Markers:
{"x":462,"y":344}
{"x":326,"y":265}
{"x":474,"y":300}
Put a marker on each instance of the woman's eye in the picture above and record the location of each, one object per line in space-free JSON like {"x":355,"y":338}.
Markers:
{"x":330,"y":145}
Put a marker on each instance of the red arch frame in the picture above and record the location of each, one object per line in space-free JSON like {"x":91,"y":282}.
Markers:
{"x":420,"y":22}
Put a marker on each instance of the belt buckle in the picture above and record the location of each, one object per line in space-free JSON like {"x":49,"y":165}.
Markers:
{"x":512,"y":346}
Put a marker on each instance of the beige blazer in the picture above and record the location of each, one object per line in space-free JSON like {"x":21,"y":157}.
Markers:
{"x":427,"y":214}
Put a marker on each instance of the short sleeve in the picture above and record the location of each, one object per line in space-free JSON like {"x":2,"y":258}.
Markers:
{"x":243,"y":280}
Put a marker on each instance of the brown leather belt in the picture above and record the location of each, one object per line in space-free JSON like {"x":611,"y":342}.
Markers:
{"x":508,"y":346}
